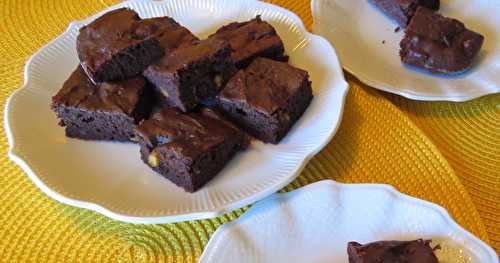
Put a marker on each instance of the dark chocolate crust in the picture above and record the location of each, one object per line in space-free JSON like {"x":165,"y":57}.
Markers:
{"x":106,"y":111}
{"x":189,"y":149}
{"x":251,"y":39}
{"x":417,"y":251}
{"x":439,"y":44}
{"x":266,"y":98}
{"x":403,"y":10}
{"x":193,"y":73}
{"x":169,"y":33}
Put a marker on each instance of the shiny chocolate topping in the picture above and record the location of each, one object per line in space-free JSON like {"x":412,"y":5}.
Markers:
{"x":119,"y":29}
{"x":265,"y":85}
{"x":185,"y":55}
{"x":190,"y":134}
{"x":120,"y":96}
{"x":438,"y":43}
{"x":247,"y":38}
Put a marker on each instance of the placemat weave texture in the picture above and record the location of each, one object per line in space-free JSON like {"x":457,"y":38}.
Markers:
{"x":378,"y":141}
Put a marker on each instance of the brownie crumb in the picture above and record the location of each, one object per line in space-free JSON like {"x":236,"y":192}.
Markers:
{"x":397,"y":29}
{"x":383,"y":41}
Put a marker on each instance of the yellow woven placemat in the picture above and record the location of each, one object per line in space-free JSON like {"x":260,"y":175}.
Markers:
{"x":468,"y":135}
{"x":376,"y":142}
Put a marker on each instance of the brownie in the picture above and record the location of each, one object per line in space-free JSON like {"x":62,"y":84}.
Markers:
{"x":417,"y":251}
{"x":169,"y":33}
{"x":189,"y":149}
{"x":106,"y":111}
{"x":403,"y":10}
{"x":251,"y":39}
{"x":439,"y":44}
{"x":120,"y":45}
{"x":266,"y":98}
{"x":193,"y":73}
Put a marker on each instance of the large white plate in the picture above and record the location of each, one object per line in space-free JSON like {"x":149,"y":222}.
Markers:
{"x":313,"y":224}
{"x":368,"y":47}
{"x":111,"y":179}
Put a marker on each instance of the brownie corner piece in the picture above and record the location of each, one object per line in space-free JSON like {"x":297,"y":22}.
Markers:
{"x":392,"y":251}
{"x":252,"y":39}
{"x":105,"y":111}
{"x":439,"y":44}
{"x":189,"y":149}
{"x":192,"y":73}
{"x":266,"y":98}
{"x":403,"y":10}
{"x":112,"y":48}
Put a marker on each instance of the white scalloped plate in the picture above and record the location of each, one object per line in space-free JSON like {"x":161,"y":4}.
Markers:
{"x":313,"y":224}
{"x":368,"y":47}
{"x":111,"y":179}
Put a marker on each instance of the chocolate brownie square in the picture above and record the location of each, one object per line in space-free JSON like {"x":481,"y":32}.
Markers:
{"x":403,"y":10}
{"x":251,"y":39}
{"x":193,"y":73}
{"x":439,"y":44}
{"x":115,"y":46}
{"x":189,"y":149}
{"x":266,"y":98}
{"x":417,"y":251}
{"x":106,"y":111}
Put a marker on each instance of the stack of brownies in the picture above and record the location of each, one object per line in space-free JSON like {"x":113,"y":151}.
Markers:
{"x":191,"y":104}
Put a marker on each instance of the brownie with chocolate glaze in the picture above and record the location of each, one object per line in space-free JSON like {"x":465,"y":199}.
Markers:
{"x":417,"y":251}
{"x":106,"y":111}
{"x":439,"y":44}
{"x":189,"y":149}
{"x":120,"y":44}
{"x":169,"y":33}
{"x":251,"y":39}
{"x":403,"y":10}
{"x":193,"y":73}
{"x":266,"y":98}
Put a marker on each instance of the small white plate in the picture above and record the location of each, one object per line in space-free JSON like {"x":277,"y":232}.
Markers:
{"x":313,"y":224}
{"x":111,"y":179}
{"x":368,"y":47}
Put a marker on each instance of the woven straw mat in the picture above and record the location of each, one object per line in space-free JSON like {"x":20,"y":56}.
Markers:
{"x":446,"y":153}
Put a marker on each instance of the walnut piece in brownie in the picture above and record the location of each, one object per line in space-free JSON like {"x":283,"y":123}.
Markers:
{"x":189,"y":149}
{"x":417,"y":251}
{"x":193,"y":73}
{"x":439,"y":44}
{"x":266,"y":98}
{"x":120,"y":44}
{"x":106,"y":111}
{"x":403,"y":10}
{"x":251,"y":39}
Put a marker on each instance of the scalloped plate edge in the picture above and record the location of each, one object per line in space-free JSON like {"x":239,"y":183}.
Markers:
{"x":315,"y":5}
{"x":17,"y":157}
{"x":338,"y":187}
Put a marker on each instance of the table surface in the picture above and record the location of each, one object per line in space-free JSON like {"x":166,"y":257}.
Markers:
{"x":447,"y":153}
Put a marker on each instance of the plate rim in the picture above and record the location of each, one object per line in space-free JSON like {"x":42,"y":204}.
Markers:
{"x":339,"y":187}
{"x":18,"y":158}
{"x":380,"y":85}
